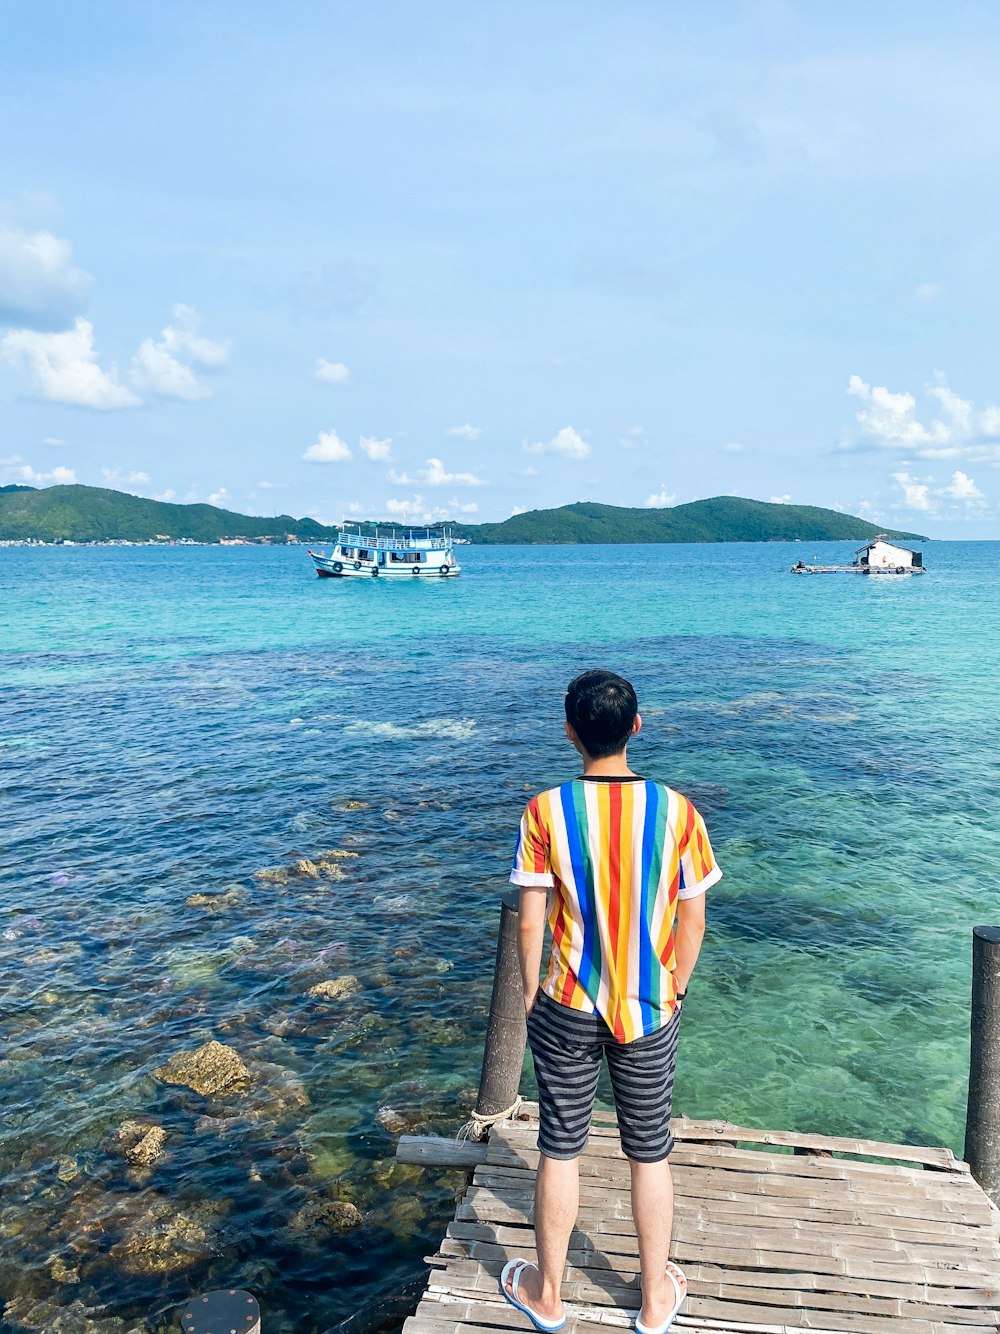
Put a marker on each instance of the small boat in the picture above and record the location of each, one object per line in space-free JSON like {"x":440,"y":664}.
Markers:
{"x":370,"y":550}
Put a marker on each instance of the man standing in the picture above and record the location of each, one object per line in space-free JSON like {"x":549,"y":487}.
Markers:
{"x":620,"y":865}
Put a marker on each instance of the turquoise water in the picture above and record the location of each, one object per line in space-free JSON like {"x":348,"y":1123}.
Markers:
{"x":173,"y":721}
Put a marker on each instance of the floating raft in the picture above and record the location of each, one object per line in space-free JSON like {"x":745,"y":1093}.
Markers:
{"x":776,"y":1231}
{"x":874,"y":571}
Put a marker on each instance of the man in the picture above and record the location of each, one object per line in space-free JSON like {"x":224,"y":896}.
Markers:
{"x":620,"y":864}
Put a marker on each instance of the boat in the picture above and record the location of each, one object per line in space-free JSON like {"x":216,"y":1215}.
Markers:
{"x":373,"y":550}
{"x":878,"y":557}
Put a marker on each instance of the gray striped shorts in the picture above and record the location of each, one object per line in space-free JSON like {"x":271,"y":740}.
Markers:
{"x":567,"y":1047}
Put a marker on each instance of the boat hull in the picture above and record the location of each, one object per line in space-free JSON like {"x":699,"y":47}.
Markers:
{"x":327,"y":568}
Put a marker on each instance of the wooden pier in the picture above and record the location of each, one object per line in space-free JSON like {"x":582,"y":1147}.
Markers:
{"x":775,"y":1231}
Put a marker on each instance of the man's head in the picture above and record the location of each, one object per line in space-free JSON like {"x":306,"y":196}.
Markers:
{"x":601,"y":712}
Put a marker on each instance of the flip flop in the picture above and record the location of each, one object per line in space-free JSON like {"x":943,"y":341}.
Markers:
{"x":676,"y":1276}
{"x":512,"y":1270}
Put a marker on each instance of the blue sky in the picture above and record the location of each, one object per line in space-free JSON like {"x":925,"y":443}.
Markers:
{"x":342,"y":258}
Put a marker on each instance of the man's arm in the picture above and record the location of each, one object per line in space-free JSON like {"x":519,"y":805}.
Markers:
{"x":689,"y":932}
{"x":530,"y":939}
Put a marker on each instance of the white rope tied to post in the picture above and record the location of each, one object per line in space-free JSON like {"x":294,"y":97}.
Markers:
{"x":477,"y":1126}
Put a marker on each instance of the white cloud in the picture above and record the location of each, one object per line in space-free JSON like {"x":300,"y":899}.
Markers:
{"x":63,"y":367}
{"x":271,"y":486}
{"x":733,"y":447}
{"x":168,"y":495}
{"x":329,"y":448}
{"x":963,"y":488}
{"x":379,"y":451}
{"x":518,"y":509}
{"x":166,"y":367}
{"x":890,"y":420}
{"x":466,"y":432}
{"x":435,"y":474}
{"x":220,"y":497}
{"x":331,"y":372}
{"x":27,"y":476}
{"x":457,"y":507}
{"x":781,"y":500}
{"x":117,"y":480}
{"x":659,"y":499}
{"x":927,"y":291}
{"x":635,"y":435}
{"x":417,"y":509}
{"x":915,"y":494}
{"x":567,"y":442}
{"x":53,"y":440}
{"x":39,"y":286}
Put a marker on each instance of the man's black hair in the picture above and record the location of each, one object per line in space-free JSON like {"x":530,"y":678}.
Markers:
{"x":601,"y":708}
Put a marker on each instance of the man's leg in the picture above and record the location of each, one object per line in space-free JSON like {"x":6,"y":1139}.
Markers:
{"x":567,"y":1061}
{"x":557,"y":1201}
{"x":642,"y":1079}
{"x":653,"y":1214}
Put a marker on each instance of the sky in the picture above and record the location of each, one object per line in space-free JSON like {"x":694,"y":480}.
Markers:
{"x":367,"y":258}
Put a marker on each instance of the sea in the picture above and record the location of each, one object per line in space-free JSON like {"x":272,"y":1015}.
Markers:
{"x":176,"y":721}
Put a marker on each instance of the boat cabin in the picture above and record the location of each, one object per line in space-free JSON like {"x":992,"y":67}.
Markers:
{"x":880,"y":554}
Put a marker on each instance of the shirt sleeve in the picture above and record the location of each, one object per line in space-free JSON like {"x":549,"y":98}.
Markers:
{"x":532,"y":862}
{"x":699,"y":870}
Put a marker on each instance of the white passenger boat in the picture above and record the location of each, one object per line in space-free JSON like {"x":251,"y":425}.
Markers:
{"x":379,"y":551}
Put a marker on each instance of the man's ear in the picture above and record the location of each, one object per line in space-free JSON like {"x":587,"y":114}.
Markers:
{"x":637,"y":725}
{"x":572,"y":737}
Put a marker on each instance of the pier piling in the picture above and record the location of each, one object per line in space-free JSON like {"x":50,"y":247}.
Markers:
{"x":506,"y":1035}
{"x":982,"y":1126}
{"x":228,"y":1311}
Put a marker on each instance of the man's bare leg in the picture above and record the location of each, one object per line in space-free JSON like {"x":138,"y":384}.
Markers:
{"x":653,"y":1215}
{"x":557,"y":1202}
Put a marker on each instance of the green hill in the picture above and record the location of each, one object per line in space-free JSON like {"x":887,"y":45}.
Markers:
{"x":721,"y":519}
{"x":93,"y":514}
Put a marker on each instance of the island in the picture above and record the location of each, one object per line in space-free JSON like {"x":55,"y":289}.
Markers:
{"x":91,"y":514}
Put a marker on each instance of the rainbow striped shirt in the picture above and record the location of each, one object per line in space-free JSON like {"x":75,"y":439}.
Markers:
{"x":617,"y":854}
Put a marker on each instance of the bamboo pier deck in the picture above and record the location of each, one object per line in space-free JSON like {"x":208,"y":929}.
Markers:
{"x":770,"y":1240}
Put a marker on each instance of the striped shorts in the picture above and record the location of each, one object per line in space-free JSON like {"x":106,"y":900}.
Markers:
{"x":567,"y":1047}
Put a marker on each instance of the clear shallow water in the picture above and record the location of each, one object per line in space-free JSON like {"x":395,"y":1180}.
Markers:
{"x":172,"y":721}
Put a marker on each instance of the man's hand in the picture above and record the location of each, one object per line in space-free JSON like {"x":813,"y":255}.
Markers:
{"x":689,"y":932}
{"x":530,"y":938}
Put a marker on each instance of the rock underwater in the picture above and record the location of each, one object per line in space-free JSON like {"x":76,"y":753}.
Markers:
{"x":213,"y":1069}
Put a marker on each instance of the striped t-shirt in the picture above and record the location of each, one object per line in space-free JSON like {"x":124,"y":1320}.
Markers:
{"x":617,"y":854}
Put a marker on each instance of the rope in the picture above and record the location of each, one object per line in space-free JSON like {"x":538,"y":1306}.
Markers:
{"x":477,"y":1126}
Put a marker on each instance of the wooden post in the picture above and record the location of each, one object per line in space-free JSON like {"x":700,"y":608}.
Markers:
{"x":982,"y":1126}
{"x":506,"y":1034}
{"x":228,"y":1311}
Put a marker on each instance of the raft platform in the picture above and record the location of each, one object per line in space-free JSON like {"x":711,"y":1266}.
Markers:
{"x":775,"y":1231}
{"x":801,"y":568}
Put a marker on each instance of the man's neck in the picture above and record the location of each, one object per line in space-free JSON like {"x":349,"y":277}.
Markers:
{"x":609,"y":766}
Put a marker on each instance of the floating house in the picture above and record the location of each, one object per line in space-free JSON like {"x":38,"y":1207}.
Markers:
{"x":880,"y":554}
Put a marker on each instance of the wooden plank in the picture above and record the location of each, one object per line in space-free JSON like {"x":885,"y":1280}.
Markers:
{"x":687,"y":1128}
{"x":950,"y":1189}
{"x":752,"y":1160}
{"x":436,"y":1151}
{"x":797,"y":1288}
{"x":767,"y":1213}
{"x":753,"y":1314}
{"x":691,"y":1128}
{"x":625,"y":1257}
